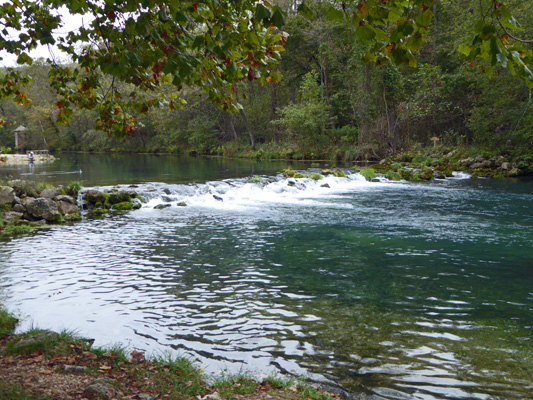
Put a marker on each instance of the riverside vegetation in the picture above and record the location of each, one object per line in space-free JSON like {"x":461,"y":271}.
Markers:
{"x":70,"y":367}
{"x":328,"y":105}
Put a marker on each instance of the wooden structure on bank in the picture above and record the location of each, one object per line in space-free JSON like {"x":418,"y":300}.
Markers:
{"x":19,"y":137}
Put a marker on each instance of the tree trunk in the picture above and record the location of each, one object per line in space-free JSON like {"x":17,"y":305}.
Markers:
{"x":246,"y":124}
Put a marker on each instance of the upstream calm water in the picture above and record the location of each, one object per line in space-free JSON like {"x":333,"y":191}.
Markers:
{"x":396,"y":290}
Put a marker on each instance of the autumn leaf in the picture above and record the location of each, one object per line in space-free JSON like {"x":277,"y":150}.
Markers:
{"x":137,"y":356}
{"x":90,"y":355}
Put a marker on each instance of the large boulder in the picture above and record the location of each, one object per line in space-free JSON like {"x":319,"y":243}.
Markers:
{"x":66,"y":207}
{"x":50,"y":193}
{"x":7,"y":195}
{"x":42,"y":208}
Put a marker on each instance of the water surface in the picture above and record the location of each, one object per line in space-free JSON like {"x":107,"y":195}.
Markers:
{"x":399,"y":290}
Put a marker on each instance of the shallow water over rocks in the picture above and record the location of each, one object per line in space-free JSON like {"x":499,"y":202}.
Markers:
{"x":399,"y":290}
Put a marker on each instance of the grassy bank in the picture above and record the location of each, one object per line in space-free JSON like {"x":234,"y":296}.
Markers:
{"x":68,"y":366}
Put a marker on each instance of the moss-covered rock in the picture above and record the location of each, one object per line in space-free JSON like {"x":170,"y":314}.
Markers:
{"x":125,"y":205}
{"x":161,"y":206}
{"x":98,"y":211}
{"x":298,"y":175}
{"x":339,"y":173}
{"x":72,"y":216}
{"x":426,"y":174}
{"x":393,"y":176}
{"x":289,"y":173}
{"x":315,"y":176}
{"x":368,"y":173}
{"x":182,"y":204}
{"x":327,"y":172}
{"x":119,"y":197}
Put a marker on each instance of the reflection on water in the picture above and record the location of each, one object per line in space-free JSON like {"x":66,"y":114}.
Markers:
{"x":404,"y":291}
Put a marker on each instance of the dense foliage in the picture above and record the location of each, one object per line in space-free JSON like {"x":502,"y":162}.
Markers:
{"x":350,"y":88}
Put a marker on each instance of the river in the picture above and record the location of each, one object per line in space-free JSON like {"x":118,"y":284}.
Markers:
{"x":394,"y":289}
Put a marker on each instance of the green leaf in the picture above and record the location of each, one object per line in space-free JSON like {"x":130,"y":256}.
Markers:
{"x":305,"y":11}
{"x":277,"y":18}
{"x":334,"y":14}
{"x":24,"y":59}
{"x":199,"y":42}
{"x":365,"y":33}
{"x":424,"y":19}
{"x":261,"y":12}
{"x":394,"y":15}
{"x":465,"y":49}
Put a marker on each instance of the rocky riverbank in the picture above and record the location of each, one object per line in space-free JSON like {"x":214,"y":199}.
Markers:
{"x":26,"y":205}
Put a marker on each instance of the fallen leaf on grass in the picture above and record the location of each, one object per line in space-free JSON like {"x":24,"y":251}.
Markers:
{"x":293,"y":388}
{"x":137,"y":355}
{"x":90,"y":354}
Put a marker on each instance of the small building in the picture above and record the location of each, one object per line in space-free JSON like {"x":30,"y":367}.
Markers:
{"x":19,"y":137}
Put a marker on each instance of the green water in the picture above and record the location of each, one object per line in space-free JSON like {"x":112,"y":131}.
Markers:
{"x":111,"y":169}
{"x":392,"y":290}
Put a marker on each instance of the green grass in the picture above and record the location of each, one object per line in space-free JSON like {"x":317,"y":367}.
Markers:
{"x":7,"y":323}
{"x":16,"y":392}
{"x":228,"y":385}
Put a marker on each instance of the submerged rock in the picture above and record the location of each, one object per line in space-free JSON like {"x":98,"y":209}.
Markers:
{"x":161,"y":206}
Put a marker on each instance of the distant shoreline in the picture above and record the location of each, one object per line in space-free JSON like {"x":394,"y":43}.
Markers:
{"x":20,"y":159}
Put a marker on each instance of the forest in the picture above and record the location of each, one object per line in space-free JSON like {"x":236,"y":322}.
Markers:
{"x":328,"y":104}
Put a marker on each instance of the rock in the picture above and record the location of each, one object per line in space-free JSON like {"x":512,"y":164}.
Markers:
{"x":426,"y":174}
{"x":479,"y":159}
{"x":7,"y":195}
{"x":182,"y":204}
{"x":50,"y":193}
{"x":166,"y":191}
{"x":19,"y":208}
{"x":478,"y":165}
{"x":74,"y":368}
{"x":119,"y":197}
{"x":95,"y":196}
{"x":325,"y":185}
{"x":466,"y":162}
{"x":514,"y":171}
{"x":125,"y":205}
{"x":72,"y":216}
{"x":212,"y":396}
{"x":12,"y":216}
{"x":35,"y":339}
{"x":505,"y":166}
{"x":64,"y":197}
{"x":101,"y":389}
{"x":25,"y":200}
{"x":218,"y":198}
{"x":393,"y":176}
{"x":42,"y":208}
{"x":161,"y":206}
{"x":66,"y":207}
